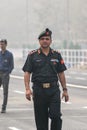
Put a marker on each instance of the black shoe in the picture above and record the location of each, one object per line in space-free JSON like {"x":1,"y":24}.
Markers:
{"x":3,"y":111}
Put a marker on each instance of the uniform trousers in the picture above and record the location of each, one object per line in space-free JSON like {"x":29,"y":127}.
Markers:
{"x":47,"y":105}
{"x":4,"y":77}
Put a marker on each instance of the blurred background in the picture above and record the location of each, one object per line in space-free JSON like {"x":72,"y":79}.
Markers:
{"x":21,"y":21}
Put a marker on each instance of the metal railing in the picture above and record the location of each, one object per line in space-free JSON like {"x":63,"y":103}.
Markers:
{"x":72,"y":57}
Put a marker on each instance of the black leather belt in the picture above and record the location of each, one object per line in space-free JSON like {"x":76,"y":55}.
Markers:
{"x":46,"y":85}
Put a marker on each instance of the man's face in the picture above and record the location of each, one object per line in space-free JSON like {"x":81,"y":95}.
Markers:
{"x":3,"y":45}
{"x":45,"y":41}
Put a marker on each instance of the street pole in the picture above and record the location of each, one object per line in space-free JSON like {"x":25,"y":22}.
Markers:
{"x":68,"y":23}
{"x":27,"y":21}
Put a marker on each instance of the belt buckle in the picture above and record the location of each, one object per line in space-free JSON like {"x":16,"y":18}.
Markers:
{"x":46,"y":85}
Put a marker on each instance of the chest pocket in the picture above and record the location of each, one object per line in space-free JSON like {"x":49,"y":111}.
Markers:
{"x":39,"y":63}
{"x":54,"y":64}
{"x":5,"y":62}
{"x":54,"y":61}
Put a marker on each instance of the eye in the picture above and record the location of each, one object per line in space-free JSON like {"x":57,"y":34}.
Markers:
{"x":45,"y":39}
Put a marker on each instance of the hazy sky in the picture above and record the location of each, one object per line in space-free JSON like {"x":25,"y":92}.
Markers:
{"x":21,"y":21}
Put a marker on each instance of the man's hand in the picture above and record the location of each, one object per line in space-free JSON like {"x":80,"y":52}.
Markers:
{"x":65,"y":95}
{"x":28,"y":94}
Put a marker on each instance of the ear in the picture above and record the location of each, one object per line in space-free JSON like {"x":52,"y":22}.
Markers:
{"x":51,"y":40}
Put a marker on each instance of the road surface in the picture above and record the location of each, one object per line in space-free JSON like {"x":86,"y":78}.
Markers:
{"x":20,"y":116}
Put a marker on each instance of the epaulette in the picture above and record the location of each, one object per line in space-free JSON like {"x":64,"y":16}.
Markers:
{"x":39,"y":51}
{"x":32,"y":52}
{"x":55,"y":51}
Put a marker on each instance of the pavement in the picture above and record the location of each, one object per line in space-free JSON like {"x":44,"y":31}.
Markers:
{"x":20,"y":115}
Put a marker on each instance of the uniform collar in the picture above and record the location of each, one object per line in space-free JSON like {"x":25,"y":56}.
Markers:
{"x":3,"y":52}
{"x":40,"y":51}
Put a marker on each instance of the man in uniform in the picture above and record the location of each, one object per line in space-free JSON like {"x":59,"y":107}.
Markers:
{"x":47,"y":67}
{"x":6,"y":67}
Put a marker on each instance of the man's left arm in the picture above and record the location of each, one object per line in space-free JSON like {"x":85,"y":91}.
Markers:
{"x":62,"y":80}
{"x":11,"y":64}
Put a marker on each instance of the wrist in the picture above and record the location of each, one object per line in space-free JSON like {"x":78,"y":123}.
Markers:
{"x":64,"y":89}
{"x":28,"y":88}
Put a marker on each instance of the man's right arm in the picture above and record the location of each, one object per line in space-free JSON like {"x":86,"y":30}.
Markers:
{"x":27,"y":85}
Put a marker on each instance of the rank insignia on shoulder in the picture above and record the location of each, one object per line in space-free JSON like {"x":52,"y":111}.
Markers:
{"x":55,"y":51}
{"x":39,"y":51}
{"x":32,"y":52}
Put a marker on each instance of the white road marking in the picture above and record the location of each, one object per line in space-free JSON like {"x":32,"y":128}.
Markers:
{"x":77,"y":78}
{"x":20,"y":92}
{"x":80,"y":78}
{"x":72,"y":72}
{"x":85,"y":107}
{"x":13,"y":128}
{"x":1,"y":88}
{"x":68,"y":76}
{"x":20,"y":109}
{"x":75,"y":116}
{"x":77,"y":86}
{"x":66,"y":102}
{"x":70,"y":85}
{"x":16,"y":77}
{"x":84,"y":73}
{"x":19,"y":118}
{"x":20,"y":77}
